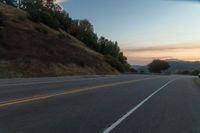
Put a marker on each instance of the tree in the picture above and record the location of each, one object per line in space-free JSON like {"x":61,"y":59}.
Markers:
{"x":64,"y":20}
{"x":50,"y":13}
{"x":157,"y":66}
{"x":83,"y":30}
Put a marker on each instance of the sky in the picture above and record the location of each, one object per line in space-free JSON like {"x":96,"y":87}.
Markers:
{"x":144,"y":29}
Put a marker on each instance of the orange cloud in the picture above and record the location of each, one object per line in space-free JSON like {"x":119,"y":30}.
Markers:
{"x":145,"y":55}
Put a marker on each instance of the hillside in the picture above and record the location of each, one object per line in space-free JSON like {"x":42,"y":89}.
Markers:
{"x":179,"y":65}
{"x":29,"y":49}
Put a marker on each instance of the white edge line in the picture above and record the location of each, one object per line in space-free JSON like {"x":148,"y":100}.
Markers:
{"x":114,"y":125}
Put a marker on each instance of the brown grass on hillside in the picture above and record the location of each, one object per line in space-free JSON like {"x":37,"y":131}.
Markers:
{"x":32,"y":49}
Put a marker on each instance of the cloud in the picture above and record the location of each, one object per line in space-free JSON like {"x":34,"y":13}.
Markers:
{"x":147,"y":54}
{"x":163,"y":48}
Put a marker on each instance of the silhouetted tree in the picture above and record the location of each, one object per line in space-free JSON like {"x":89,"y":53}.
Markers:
{"x":157,"y":66}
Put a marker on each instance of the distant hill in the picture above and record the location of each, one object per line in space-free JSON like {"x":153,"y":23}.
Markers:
{"x":29,"y":49}
{"x":175,"y":66}
{"x":140,"y":68}
{"x":136,"y":67}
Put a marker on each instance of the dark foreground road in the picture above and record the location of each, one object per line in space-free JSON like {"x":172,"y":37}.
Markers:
{"x":121,"y":104}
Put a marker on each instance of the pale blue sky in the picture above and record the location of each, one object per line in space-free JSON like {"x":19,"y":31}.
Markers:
{"x":141,"y":23}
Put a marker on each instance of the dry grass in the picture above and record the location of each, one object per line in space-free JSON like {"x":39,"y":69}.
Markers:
{"x":29,"y":52}
{"x":13,"y":13}
{"x":197,"y":81}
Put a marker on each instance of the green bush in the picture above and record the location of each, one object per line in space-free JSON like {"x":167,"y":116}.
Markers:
{"x":48,"y":18}
{"x":34,"y":15}
{"x":116,"y":64}
{"x":43,"y":16}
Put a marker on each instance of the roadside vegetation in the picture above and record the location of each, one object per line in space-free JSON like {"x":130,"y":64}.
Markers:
{"x":194,"y":72}
{"x":32,"y":49}
{"x":52,"y":15}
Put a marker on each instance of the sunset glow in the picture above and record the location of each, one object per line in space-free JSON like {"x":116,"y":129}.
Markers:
{"x":143,"y":56}
{"x":145,"y":29}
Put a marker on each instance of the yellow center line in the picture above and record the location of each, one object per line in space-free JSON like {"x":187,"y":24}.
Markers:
{"x":67,"y":92}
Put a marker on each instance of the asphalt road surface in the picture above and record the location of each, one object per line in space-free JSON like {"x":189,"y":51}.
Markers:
{"x":100,"y":104}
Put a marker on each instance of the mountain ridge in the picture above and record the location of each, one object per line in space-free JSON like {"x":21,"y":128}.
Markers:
{"x":176,"y":66}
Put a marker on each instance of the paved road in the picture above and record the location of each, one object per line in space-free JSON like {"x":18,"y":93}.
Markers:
{"x":118,"y":104}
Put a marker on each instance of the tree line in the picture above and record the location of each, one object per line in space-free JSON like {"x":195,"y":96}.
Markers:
{"x":194,"y":72}
{"x":51,"y":14}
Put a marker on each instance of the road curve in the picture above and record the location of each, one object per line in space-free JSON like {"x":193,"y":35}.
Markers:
{"x":123,"y":103}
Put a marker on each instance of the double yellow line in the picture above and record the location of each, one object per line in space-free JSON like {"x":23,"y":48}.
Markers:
{"x":67,"y":92}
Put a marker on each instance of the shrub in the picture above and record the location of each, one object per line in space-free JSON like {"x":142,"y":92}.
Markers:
{"x":34,"y":15}
{"x":116,"y":64}
{"x":43,"y":16}
{"x":48,"y":18}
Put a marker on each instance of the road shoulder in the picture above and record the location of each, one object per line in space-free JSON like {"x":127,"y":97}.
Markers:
{"x":197,"y":81}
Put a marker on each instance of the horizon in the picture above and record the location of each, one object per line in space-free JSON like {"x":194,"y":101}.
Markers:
{"x":139,"y":26}
{"x":170,"y":59}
